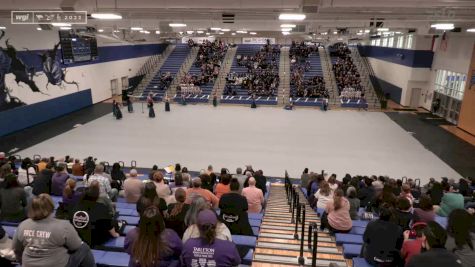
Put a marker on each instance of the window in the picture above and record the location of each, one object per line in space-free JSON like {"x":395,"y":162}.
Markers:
{"x":400,"y":41}
{"x":409,"y":42}
{"x":377,"y":42}
{"x":385,"y":42}
{"x":450,"y":83}
{"x":373,"y":42}
{"x":390,"y":41}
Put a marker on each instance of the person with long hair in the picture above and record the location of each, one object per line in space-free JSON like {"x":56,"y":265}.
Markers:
{"x":354,"y":202}
{"x":150,"y":244}
{"x":163,"y":190}
{"x":13,"y":200}
{"x":71,"y":196}
{"x":150,"y":198}
{"x":213,"y":251}
{"x":117,"y":176}
{"x":461,"y":236}
{"x":323,"y":195}
{"x":43,"y":240}
{"x":175,"y":218}
{"x":337,"y":212}
{"x":59,"y":179}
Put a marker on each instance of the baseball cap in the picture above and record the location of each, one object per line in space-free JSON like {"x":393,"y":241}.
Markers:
{"x":206,"y":217}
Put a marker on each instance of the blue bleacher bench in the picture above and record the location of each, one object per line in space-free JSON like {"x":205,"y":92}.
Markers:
{"x":351,"y":250}
{"x":348,"y":239}
{"x":359,"y":223}
{"x":360,"y":262}
{"x":244,"y":240}
{"x":356,"y":230}
{"x":109,"y":258}
{"x":247,"y":260}
{"x":131,"y":220}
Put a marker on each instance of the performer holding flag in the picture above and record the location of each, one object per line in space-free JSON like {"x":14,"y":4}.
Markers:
{"x":151,"y":112}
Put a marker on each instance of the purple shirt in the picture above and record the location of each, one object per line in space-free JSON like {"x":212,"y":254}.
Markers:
{"x":58,"y":183}
{"x":73,"y":200}
{"x":169,"y":258}
{"x":221,"y":253}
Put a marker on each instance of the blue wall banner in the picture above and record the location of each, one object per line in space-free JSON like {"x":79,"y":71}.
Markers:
{"x":406,"y":57}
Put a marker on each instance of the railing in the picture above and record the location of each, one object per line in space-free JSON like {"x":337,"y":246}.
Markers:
{"x":366,"y":71}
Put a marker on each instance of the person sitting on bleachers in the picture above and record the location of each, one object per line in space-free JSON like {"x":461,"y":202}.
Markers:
{"x":413,"y":240}
{"x":323,"y":195}
{"x":133,"y":187}
{"x":117,"y":176}
{"x":366,"y":193}
{"x":42,"y":164}
{"x":206,"y":248}
{"x":354,"y":202}
{"x":7,"y":255}
{"x":43,"y":240}
{"x":254,"y":196}
{"x":402,"y":214}
{"x":451,"y":200}
{"x":175,"y":217}
{"x":197,"y":190}
{"x":92,"y":219}
{"x":58,"y":180}
{"x":13,"y":200}
{"x":71,"y":196}
{"x":26,"y":172}
{"x":261,"y":181}
{"x":437,"y":255}
{"x":191,"y":220}
{"x":151,"y":244}
{"x":149,"y":198}
{"x":77,"y":169}
{"x":406,"y":192}
{"x":42,"y":182}
{"x":336,"y":217}
{"x":223,"y":186}
{"x":383,"y":240}
{"x":332,"y":182}
{"x":234,"y":209}
{"x":105,"y":184}
{"x":385,"y":196}
{"x":163,"y":190}
{"x":186,"y":177}
{"x":425,"y":211}
{"x":461,"y":236}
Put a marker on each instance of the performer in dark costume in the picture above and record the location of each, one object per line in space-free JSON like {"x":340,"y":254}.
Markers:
{"x":118,"y":112}
{"x":215,"y":100}
{"x":167,"y":103}
{"x":113,"y":107}
{"x":253,"y":103}
{"x":151,"y":112}
{"x":130,"y":105}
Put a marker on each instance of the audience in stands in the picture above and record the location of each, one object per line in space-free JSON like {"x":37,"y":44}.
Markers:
{"x":223,"y":186}
{"x":413,"y":241}
{"x":117,"y":176}
{"x":346,"y":74}
{"x":150,"y":198}
{"x":461,"y":236}
{"x":59,"y":180}
{"x":323,"y":195}
{"x":71,"y":196}
{"x":241,"y":178}
{"x":77,"y":169}
{"x":26,"y":172}
{"x":234,"y":209}
{"x":261,"y":181}
{"x":451,"y":200}
{"x":133,"y":187}
{"x":13,"y":200}
{"x":43,"y":240}
{"x":42,"y":164}
{"x":42,"y":182}
{"x":151,"y":244}
{"x":435,"y":238}
{"x":197,"y":190}
{"x":163,"y":190}
{"x":175,"y":217}
{"x":92,"y":219}
{"x":425,"y":211}
{"x":213,"y":251}
{"x":354,"y":202}
{"x":383,"y":239}
{"x":336,"y":217}
{"x":402,"y":214}
{"x":366,"y":192}
{"x":254,"y":196}
{"x":104,"y":182}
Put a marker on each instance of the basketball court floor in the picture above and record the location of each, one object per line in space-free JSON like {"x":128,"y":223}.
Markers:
{"x":271,"y":139}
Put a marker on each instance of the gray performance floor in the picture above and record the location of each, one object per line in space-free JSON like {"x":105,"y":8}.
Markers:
{"x":271,"y":139}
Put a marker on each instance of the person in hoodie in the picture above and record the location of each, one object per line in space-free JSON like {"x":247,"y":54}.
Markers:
{"x":42,"y":183}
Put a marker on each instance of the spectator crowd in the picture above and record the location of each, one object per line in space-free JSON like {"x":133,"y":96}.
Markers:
{"x":346,"y":74}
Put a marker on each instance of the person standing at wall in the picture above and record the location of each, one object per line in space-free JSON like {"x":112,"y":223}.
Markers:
{"x":167,"y":103}
{"x":130,"y":105}
{"x":151,"y":112}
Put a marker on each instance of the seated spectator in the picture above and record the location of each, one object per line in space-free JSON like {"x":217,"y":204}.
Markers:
{"x":207,"y":182}
{"x":461,"y":236}
{"x":92,"y":219}
{"x":354,"y":202}
{"x":336,"y":217}
{"x":59,"y":180}
{"x":313,"y":186}
{"x":261,"y":181}
{"x":254,"y":196}
{"x":425,"y":211}
{"x":151,"y":244}
{"x":7,"y":254}
{"x":366,"y":193}
{"x":117,"y":176}
{"x":149,"y":198}
{"x":77,"y":169}
{"x":436,"y":192}
{"x":191,"y":220}
{"x":179,"y":183}
{"x":163,"y":190}
{"x":234,"y":211}
{"x":133,"y":187}
{"x":197,"y":190}
{"x":58,"y":245}
{"x":241,"y":179}
{"x":42,"y":164}
{"x":323,"y":195}
{"x":218,"y":252}
{"x":104,"y":183}
{"x":175,"y":218}
{"x":186,"y":177}
{"x":406,"y":192}
{"x":385,"y":196}
{"x":42,"y":182}
{"x":71,"y":196}
{"x":223,"y":186}
{"x":436,"y":255}
{"x":383,"y":240}
{"x":13,"y":200}
{"x":402,"y":214}
{"x":450,"y":201}
{"x":26,"y":172}
{"x":413,"y":240}
{"x":332,"y":182}
{"x":304,"y":178}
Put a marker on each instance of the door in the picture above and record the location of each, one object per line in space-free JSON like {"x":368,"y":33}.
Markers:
{"x":114,"y":87}
{"x":125,"y":83}
{"x":415,"y":97}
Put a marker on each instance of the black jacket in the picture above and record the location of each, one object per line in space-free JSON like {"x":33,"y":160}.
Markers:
{"x":42,"y":183}
{"x":436,"y":257}
{"x":383,"y":240}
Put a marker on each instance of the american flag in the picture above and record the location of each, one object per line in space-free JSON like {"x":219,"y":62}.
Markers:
{"x":443,"y":42}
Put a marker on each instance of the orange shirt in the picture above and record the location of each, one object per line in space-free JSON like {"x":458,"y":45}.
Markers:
{"x":221,"y":189}
{"x":212,"y":199}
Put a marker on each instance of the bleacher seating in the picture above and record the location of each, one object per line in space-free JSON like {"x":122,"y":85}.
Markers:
{"x":242,"y":96}
{"x":171,"y":65}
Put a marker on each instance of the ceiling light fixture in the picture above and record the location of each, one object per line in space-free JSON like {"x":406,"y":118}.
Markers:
{"x":180,"y":33}
{"x":116,"y":31}
{"x":157,"y":32}
{"x":106,"y":16}
{"x":289,"y":16}
{"x":335,"y":32}
{"x":443,"y":26}
{"x":288,"y":25}
{"x":207,"y":33}
{"x":471,"y":30}
{"x":233,"y":33}
{"x":177,"y":25}
{"x":243,"y":31}
{"x":359,"y":33}
{"x":136,"y":28}
{"x":37,"y":28}
{"x":366,"y":31}
{"x":221,"y":33}
{"x":100,"y":30}
{"x":285,"y":33}
{"x":146,"y":32}
{"x":64,"y":28}
{"x":382,"y":29}
{"x":225,"y":30}
{"x":252,"y":33}
{"x":286,"y":29}
{"x":190,"y":32}
{"x":200,"y":32}
{"x":215,"y":29}
{"x":61,"y":24}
